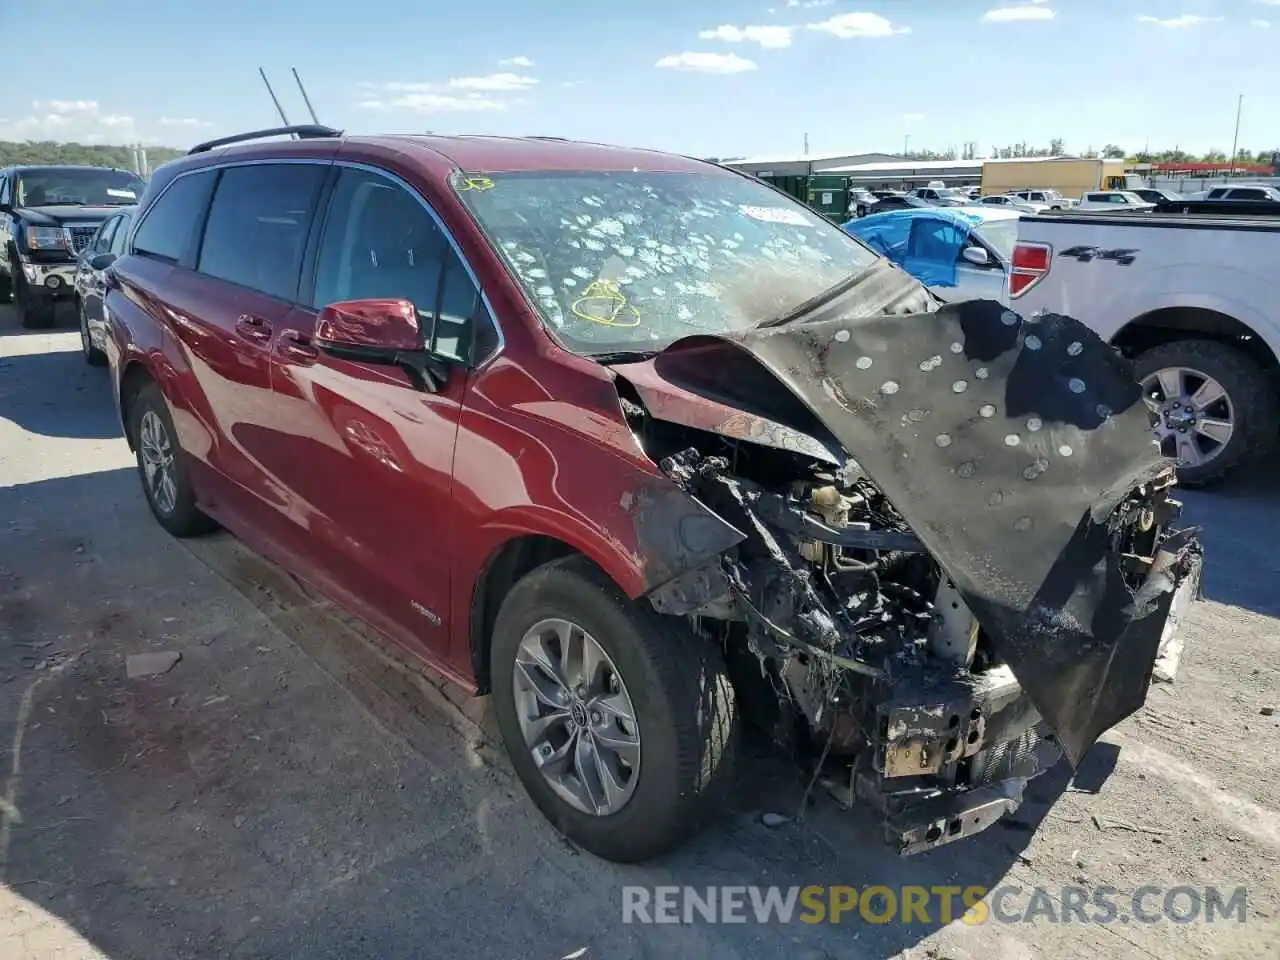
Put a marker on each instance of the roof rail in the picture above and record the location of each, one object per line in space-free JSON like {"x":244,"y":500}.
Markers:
{"x":306,"y":131}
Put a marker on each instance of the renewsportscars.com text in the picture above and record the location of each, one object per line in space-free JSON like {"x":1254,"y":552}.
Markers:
{"x":929,"y":905}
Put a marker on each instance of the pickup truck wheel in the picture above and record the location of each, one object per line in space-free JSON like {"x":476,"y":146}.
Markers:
{"x":162,"y":466}
{"x":34,"y":312}
{"x":619,"y":721}
{"x":1215,"y":408}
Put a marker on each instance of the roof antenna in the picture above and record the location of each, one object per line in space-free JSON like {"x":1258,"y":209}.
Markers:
{"x":279,"y":109}
{"x":305,"y":99}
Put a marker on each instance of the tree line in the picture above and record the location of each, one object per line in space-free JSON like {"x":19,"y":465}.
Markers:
{"x":89,"y":154}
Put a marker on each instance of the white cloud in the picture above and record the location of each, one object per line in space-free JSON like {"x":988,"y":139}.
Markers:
{"x":1036,"y":11}
{"x":1269,"y":3}
{"x":1177,"y":23}
{"x":516,"y":62}
{"x":808,"y":4}
{"x":66,"y":106}
{"x":706,"y":62}
{"x":775,"y":37}
{"x":493,"y":82}
{"x":481,"y":94}
{"x":913,"y":117}
{"x":181,"y":122}
{"x":848,"y":26}
{"x":1264,"y":24}
{"x":116,"y":121}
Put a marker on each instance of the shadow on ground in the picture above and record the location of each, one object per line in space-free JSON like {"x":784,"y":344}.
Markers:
{"x":288,"y":790}
{"x":1241,"y":534}
{"x":57,"y":395}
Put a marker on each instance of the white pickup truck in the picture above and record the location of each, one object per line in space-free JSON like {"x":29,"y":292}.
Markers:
{"x":1193,"y":300}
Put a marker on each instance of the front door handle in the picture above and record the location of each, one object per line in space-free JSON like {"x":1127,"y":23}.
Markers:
{"x":296,"y":347}
{"x":253,"y":328}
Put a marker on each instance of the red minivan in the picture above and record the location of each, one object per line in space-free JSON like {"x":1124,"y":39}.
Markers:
{"x":643,"y":448}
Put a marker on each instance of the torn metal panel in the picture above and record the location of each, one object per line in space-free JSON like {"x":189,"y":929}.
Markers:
{"x":1007,"y":446}
{"x":675,"y":533}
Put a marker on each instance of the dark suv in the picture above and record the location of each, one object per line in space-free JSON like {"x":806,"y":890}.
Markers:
{"x":48,"y":215}
{"x":578,"y":425}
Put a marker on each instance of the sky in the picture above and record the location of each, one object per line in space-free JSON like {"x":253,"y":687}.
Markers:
{"x":711,"y":78}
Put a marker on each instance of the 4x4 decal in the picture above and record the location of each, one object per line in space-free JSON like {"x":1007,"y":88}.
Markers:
{"x":1123,"y":257}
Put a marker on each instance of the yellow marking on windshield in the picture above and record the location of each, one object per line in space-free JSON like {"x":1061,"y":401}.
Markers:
{"x":476,"y":183}
{"x":603,"y":302}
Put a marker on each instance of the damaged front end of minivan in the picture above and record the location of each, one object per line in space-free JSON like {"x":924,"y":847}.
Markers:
{"x":959,"y":556}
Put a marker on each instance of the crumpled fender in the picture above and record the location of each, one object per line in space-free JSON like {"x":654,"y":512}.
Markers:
{"x":1004,"y":443}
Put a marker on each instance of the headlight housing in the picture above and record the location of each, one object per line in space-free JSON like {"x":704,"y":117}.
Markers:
{"x":46,"y":238}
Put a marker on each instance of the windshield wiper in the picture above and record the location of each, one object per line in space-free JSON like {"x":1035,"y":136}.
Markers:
{"x":826,"y":296}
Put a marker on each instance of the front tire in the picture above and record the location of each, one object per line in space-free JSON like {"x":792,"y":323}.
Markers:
{"x":1216,"y":409}
{"x":92,"y":355}
{"x":571,"y":656}
{"x":162,"y":466}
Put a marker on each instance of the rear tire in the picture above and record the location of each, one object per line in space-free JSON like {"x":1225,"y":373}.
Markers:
{"x":170,"y":497}
{"x":685,"y":716}
{"x":1251,"y":397}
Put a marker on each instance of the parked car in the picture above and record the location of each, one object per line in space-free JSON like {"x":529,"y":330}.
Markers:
{"x":1122,"y":201}
{"x":575,"y":424}
{"x":1253,"y":192}
{"x":861,"y":201}
{"x":48,"y":214}
{"x":959,"y":253}
{"x":939,"y":196}
{"x":1051,"y":199}
{"x":1012,"y":203}
{"x":894,"y":202}
{"x":90,"y":285}
{"x":1151,"y":195}
{"x":1191,"y":300}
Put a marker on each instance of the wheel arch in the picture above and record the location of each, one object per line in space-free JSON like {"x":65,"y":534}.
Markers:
{"x":1168,"y":324}
{"x":134,"y":376}
{"x":505,"y":566}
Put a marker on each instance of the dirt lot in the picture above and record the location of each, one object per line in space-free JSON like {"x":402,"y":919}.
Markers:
{"x":289,"y":790}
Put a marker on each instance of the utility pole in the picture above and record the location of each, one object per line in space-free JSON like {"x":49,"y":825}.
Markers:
{"x":1235,"y":140}
{"x":806,"y":144}
{"x":906,"y":144}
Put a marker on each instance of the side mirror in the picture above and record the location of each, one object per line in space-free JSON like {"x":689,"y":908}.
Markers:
{"x":380,"y":331}
{"x":977,"y":256}
{"x":101,"y":261}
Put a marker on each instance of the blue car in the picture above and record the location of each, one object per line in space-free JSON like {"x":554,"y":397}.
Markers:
{"x":960,"y":253}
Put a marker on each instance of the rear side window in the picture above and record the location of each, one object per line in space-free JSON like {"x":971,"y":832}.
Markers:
{"x":258,"y":223}
{"x":170,"y":226}
{"x":1241,"y":194}
{"x":1217,"y":193}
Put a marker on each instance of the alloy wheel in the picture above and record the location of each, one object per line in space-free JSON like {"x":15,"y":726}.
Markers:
{"x":577,"y":717}
{"x":158,"y":464}
{"x":1195,"y":415}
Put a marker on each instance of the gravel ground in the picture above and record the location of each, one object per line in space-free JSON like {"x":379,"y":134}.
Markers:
{"x":290,"y":789}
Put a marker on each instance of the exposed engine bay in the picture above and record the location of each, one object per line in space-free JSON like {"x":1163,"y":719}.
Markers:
{"x":956,"y":553}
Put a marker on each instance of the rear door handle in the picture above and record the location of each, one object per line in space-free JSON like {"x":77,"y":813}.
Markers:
{"x":253,"y":328}
{"x":296,"y":347}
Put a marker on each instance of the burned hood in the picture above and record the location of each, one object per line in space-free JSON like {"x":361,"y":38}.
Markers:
{"x":1005,"y":443}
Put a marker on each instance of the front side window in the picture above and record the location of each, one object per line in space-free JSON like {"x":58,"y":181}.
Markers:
{"x":635,"y":260}
{"x":169,"y":227}
{"x":258,"y":224}
{"x":380,"y":242}
{"x":54,"y":186}
{"x":102,"y":239}
{"x":121,"y":236}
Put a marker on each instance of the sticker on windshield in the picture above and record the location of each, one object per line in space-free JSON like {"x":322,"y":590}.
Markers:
{"x":122,"y":194}
{"x":776,"y":215}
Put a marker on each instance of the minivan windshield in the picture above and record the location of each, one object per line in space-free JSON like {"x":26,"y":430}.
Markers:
{"x":632,"y":261}
{"x":77,"y":186}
